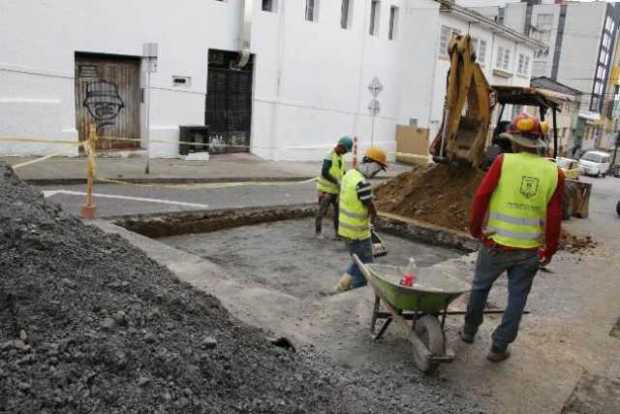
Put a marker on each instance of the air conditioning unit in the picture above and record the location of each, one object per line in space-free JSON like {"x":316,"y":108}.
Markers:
{"x":190,"y":135}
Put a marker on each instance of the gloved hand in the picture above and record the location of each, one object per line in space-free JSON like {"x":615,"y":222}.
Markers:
{"x":544,"y":257}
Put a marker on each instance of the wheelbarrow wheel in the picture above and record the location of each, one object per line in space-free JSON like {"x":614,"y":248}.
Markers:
{"x":430,"y":333}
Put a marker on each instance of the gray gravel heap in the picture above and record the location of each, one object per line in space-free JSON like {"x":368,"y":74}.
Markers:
{"x":89,"y":324}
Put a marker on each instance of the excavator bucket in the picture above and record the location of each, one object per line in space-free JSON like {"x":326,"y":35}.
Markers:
{"x":467,"y":108}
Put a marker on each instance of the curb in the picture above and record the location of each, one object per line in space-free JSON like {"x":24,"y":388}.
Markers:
{"x":41,"y":182}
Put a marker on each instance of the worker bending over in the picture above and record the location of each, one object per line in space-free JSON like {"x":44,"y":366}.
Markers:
{"x":328,"y":184}
{"x":357,"y":212}
{"x":516,"y":213}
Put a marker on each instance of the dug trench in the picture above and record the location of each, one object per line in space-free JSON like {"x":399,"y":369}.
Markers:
{"x":94,"y":322}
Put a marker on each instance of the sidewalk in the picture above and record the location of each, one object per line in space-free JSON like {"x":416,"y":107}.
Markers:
{"x":221,"y":168}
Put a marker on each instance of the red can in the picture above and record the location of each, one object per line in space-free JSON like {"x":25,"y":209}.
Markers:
{"x":407,"y":280}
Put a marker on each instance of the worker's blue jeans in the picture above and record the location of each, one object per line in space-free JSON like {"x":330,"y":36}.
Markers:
{"x":521,"y":266}
{"x":363,"y":250}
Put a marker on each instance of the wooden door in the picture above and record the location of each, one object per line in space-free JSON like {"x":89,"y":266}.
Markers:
{"x":107,"y":92}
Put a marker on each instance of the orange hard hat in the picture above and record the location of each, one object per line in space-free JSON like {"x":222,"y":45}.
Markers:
{"x":376,"y":154}
{"x":527,"y":130}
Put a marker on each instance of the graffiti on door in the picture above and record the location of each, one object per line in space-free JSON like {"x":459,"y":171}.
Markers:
{"x":103,"y":103}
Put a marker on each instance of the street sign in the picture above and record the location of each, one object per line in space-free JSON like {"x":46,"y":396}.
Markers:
{"x":374,"y":107}
{"x":375,"y":87}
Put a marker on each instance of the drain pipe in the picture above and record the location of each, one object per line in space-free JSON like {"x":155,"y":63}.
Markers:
{"x":245,"y":33}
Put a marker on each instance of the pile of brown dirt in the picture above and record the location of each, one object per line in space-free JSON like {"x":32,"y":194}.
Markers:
{"x":437,"y":194}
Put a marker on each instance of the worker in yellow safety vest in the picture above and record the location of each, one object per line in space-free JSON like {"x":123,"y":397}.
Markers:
{"x":516,"y":213}
{"x":328,"y":183}
{"x":357,"y":213}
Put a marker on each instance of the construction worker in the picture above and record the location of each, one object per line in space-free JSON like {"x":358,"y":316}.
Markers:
{"x":328,"y":183}
{"x":357,"y":212}
{"x":516,"y":213}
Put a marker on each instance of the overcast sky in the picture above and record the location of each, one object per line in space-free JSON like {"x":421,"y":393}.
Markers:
{"x":480,"y":3}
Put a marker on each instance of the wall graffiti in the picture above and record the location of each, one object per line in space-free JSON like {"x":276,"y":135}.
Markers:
{"x":103,"y":103}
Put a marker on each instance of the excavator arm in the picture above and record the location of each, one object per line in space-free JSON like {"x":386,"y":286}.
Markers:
{"x":467,"y":108}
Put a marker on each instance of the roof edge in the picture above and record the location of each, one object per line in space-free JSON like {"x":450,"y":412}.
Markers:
{"x":448,"y":6}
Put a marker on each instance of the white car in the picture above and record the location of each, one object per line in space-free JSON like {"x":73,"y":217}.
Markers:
{"x":595,"y":163}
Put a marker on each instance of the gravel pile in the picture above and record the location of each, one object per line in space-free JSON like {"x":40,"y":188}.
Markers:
{"x":89,"y":324}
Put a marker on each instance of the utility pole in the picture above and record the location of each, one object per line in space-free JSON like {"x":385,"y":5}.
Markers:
{"x":149,"y":53}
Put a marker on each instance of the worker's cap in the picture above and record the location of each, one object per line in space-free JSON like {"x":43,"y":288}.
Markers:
{"x":527,"y":131}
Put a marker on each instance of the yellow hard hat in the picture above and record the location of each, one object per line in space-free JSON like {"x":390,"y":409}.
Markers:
{"x":378,"y":155}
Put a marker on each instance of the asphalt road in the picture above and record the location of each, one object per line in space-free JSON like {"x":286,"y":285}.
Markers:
{"x":118,"y":199}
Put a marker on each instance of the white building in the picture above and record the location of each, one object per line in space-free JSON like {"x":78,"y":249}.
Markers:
{"x":504,"y":54}
{"x":65,"y":64}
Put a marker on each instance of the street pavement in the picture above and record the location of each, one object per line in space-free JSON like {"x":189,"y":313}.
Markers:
{"x":121,"y":200}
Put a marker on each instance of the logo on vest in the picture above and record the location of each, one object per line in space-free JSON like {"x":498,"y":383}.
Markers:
{"x":529,"y":186}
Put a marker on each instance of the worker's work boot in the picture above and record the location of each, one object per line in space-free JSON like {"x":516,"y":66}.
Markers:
{"x":345,"y":283}
{"x":498,"y":355}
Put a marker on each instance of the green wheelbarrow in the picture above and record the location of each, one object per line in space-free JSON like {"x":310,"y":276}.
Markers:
{"x":421,"y":309}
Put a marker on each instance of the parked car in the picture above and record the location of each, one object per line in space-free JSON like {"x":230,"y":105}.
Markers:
{"x":595,"y":163}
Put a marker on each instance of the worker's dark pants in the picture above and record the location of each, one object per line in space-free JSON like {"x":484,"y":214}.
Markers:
{"x":325,"y":199}
{"x":521,"y":266}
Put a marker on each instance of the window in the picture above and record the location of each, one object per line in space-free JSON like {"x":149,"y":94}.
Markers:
{"x":444,"y":41}
{"x":393,"y":23}
{"x":502,"y":60}
{"x":543,"y":28}
{"x":268,"y":5}
{"x":544,"y":21}
{"x":482,"y":51}
{"x":526,"y":66}
{"x":374,"y":17}
{"x":480,"y":47}
{"x":312,"y":10}
{"x":346,"y":11}
{"x":523,"y":67}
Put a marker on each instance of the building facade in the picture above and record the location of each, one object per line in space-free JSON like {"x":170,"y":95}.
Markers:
{"x":283,"y":79}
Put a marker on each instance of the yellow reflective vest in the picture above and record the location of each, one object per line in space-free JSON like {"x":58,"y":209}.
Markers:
{"x":518,"y":207}
{"x":336,"y":171}
{"x":353,"y":218}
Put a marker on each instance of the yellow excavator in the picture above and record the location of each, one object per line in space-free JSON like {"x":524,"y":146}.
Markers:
{"x":465,"y":137}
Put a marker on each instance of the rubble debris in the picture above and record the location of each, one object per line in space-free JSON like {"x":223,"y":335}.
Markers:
{"x":60,"y":283}
{"x":577,"y":244}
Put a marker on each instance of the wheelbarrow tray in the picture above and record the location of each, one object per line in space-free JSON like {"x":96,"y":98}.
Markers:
{"x":433,"y":291}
